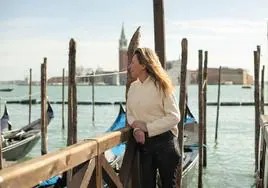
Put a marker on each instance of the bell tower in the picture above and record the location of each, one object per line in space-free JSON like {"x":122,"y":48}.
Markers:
{"x":123,"y":56}
{"x":123,"y":40}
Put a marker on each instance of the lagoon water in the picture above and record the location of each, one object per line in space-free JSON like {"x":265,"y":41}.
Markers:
{"x":230,"y":162}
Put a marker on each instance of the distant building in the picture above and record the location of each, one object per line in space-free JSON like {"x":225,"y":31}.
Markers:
{"x":57,"y":80}
{"x":228,"y":76}
{"x":106,"y":77}
{"x":173,"y":70}
{"x":101,"y":78}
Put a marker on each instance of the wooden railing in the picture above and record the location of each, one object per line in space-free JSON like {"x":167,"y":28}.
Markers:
{"x":262,"y":168}
{"x":86,"y":158}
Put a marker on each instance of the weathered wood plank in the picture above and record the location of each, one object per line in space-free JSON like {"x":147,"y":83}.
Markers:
{"x":159,"y":31}
{"x":99,"y":183}
{"x":30,"y":96}
{"x":201,"y":117}
{"x":82,"y":177}
{"x":182,"y":104}
{"x":44,"y":147}
{"x":257,"y":102}
{"x":110,"y":172}
{"x":63,"y":97}
{"x":30,"y":173}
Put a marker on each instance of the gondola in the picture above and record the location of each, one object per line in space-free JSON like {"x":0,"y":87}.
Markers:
{"x":6,"y":89}
{"x":115,"y":155}
{"x":17,"y":143}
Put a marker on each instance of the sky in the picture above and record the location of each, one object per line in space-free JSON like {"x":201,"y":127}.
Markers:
{"x":30,"y":30}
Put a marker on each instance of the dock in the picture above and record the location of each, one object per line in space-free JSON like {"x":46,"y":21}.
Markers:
{"x":233,"y":104}
{"x":34,"y":101}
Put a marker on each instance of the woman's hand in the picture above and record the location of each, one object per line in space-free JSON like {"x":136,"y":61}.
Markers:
{"x":139,"y":124}
{"x":139,"y":136}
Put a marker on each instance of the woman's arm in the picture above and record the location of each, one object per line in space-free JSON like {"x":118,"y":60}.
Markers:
{"x":130,"y":118}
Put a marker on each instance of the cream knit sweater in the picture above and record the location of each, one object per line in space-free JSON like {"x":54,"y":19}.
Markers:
{"x":146,"y":103}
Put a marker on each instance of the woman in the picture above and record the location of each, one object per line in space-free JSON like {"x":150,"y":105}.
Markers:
{"x":153,"y":113}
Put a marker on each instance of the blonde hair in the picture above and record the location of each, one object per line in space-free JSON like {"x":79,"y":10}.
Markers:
{"x":149,"y":58}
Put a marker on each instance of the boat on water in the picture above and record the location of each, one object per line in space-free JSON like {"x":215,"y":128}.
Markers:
{"x":115,"y":155}
{"x":247,"y":86}
{"x":6,"y":89}
{"x":17,"y":143}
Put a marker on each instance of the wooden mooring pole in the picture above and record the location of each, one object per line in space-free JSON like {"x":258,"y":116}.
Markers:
{"x":205,"y":71}
{"x":201,"y":118}
{"x":218,"y":105}
{"x":182,"y":103}
{"x":159,"y":31}
{"x":72,"y":103}
{"x":1,"y":154}
{"x":63,"y":97}
{"x":93,"y":97}
{"x":257,"y":103}
{"x":43,"y":107}
{"x":30,"y":96}
{"x":72,"y":128}
{"x":262,"y":89}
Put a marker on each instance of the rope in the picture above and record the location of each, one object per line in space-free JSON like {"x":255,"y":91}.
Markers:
{"x":204,"y":84}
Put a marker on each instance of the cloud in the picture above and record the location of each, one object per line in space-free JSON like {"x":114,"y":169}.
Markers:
{"x":219,"y":26}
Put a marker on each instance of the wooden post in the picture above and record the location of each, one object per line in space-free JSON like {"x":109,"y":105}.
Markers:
{"x":262,"y":89}
{"x":201,"y":118}
{"x":159,"y":31}
{"x":257,"y":105}
{"x":72,"y":104}
{"x":93,"y":97}
{"x":63,"y":97}
{"x":205,"y":106}
{"x":74,"y":99}
{"x":218,"y":105}
{"x":183,"y":91}
{"x":72,"y":129}
{"x":43,"y":107}
{"x":30,"y":96}
{"x":1,"y":154}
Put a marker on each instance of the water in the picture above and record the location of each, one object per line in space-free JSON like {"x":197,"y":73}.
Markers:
{"x":230,"y":161}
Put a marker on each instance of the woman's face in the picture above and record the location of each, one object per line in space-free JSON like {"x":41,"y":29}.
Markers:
{"x":135,"y":67}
